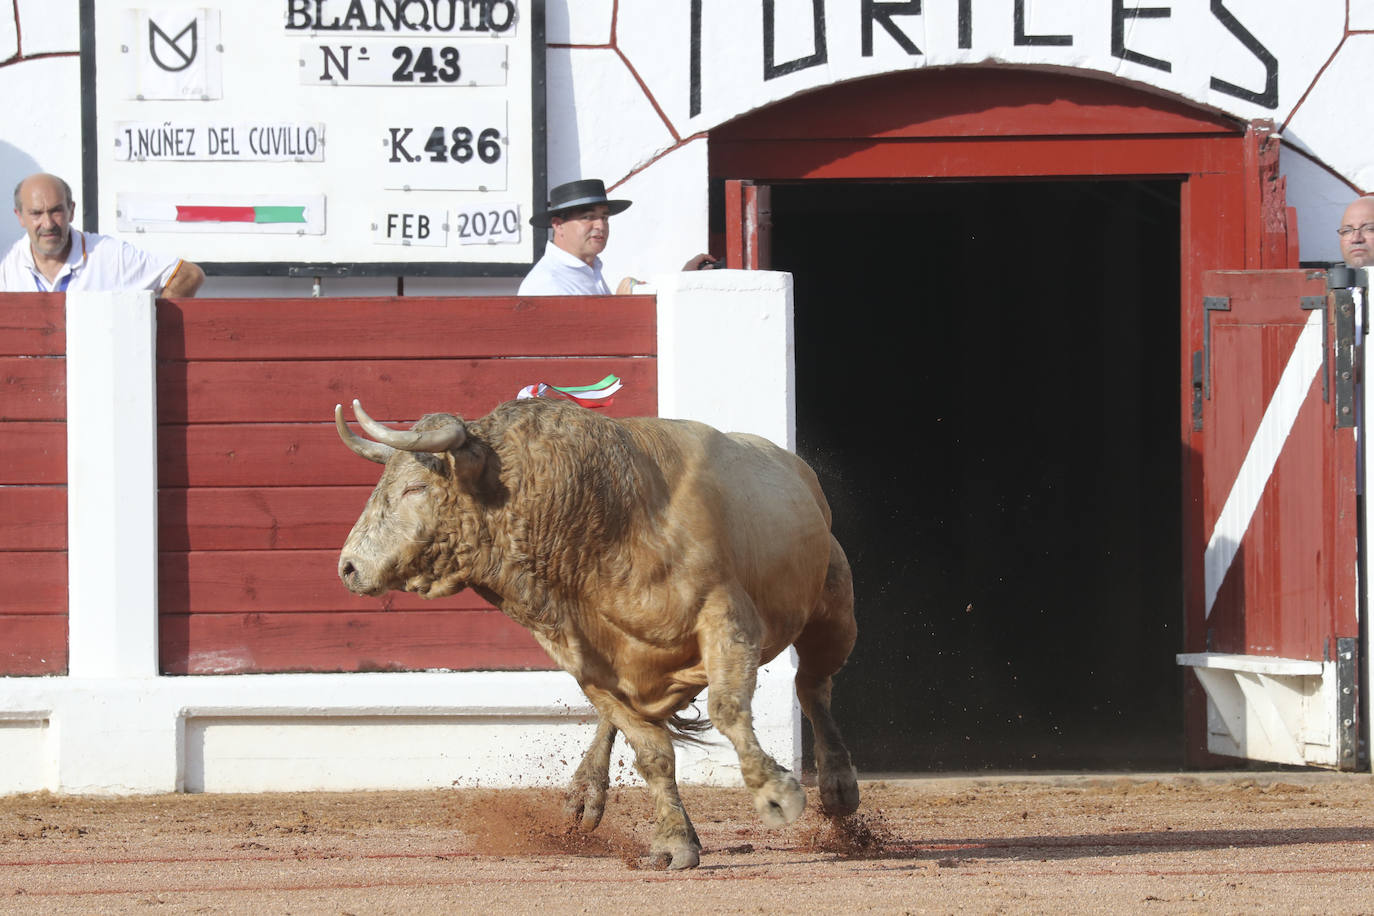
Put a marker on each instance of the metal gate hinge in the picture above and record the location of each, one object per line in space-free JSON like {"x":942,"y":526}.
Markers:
{"x":1347,"y":704}
{"x":1345,"y":355}
{"x":1197,"y":390}
{"x":1341,"y":277}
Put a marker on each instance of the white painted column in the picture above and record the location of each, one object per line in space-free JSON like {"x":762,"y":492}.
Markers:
{"x":726,"y":350}
{"x":112,"y":484}
{"x":726,"y":355}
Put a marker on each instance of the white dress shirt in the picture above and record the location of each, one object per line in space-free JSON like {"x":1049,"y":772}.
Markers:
{"x":96,"y":262}
{"x":559,"y":273}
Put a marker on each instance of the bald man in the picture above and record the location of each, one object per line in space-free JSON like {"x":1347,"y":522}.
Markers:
{"x":1357,"y":233}
{"x":53,"y":257}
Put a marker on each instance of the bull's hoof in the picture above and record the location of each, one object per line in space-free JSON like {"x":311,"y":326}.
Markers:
{"x":840,"y":793}
{"x":780,"y":801}
{"x":585,"y":804}
{"x":677,"y":858}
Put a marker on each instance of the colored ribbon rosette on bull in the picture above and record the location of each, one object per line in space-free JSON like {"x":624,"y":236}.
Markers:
{"x":599,"y":394}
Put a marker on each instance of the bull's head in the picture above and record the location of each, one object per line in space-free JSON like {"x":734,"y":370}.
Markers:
{"x":410,"y":534}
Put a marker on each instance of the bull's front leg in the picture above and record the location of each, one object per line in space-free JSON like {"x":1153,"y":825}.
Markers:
{"x":675,"y":844}
{"x":586,"y":798}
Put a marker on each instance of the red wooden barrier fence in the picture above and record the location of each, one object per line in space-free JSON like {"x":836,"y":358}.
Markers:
{"x":256,"y":492}
{"x":33,"y":485}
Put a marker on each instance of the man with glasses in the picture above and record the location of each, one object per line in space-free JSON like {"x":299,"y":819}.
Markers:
{"x":1357,"y":233}
{"x":580,"y":216}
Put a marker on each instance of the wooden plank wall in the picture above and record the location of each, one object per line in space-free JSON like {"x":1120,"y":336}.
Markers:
{"x":33,"y":484}
{"x":257,"y":493}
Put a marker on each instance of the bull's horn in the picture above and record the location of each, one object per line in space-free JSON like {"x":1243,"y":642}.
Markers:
{"x":450,"y":435}
{"x":372,"y":451}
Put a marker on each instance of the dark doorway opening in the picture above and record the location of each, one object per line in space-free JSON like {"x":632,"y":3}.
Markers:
{"x":988,"y":385}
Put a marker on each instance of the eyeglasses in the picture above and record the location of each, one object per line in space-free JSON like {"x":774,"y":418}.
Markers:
{"x":1347,"y":231}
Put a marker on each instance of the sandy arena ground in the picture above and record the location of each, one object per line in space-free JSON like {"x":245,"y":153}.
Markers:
{"x":1290,"y":842}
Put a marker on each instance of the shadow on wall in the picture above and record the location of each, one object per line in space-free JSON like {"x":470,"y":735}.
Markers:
{"x":15,"y":166}
{"x":563,"y":140}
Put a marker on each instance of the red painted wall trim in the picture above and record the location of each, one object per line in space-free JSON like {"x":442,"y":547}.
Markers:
{"x":983,"y":102}
{"x":33,"y":485}
{"x":257,"y":494}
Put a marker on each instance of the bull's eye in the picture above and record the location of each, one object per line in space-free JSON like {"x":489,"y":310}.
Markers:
{"x":415,"y":488}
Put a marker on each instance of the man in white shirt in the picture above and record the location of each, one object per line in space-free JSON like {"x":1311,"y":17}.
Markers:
{"x":54,"y":257}
{"x":580,"y":215}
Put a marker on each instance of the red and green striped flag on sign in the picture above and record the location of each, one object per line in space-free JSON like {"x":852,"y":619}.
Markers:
{"x":202,"y":214}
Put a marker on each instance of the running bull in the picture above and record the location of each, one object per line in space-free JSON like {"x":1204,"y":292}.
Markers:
{"x":649,"y":557}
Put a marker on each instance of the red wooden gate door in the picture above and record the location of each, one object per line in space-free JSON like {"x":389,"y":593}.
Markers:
{"x":748,"y":225}
{"x":1274,"y":401}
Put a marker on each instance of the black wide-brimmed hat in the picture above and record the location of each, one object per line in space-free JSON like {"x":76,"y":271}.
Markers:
{"x":576,"y":194}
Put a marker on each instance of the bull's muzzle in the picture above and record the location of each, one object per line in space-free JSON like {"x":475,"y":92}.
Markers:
{"x":354,"y":580}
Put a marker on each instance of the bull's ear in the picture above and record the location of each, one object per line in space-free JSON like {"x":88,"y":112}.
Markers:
{"x":476,"y":468}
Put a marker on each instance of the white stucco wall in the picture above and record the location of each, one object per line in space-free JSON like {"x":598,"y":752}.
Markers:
{"x":32,"y":138}
{"x":1324,"y":197}
{"x":619,"y":101}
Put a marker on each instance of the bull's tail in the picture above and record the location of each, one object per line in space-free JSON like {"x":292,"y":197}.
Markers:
{"x":689,"y":730}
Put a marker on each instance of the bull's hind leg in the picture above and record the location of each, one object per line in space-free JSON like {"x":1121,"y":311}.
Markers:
{"x":586,"y":799}
{"x":822,"y":648}
{"x":730,"y":649}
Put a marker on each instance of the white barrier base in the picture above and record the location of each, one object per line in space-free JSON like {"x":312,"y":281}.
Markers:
{"x":113,"y":726}
{"x":305,"y":732}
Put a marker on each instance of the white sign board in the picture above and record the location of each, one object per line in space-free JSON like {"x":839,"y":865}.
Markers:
{"x":325,"y":137}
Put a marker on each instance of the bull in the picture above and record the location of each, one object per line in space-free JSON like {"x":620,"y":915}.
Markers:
{"x":650,"y":558}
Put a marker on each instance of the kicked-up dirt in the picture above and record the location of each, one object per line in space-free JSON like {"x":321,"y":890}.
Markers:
{"x":1290,"y":842}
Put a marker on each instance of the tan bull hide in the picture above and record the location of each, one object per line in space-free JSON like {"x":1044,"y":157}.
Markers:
{"x":649,"y":557}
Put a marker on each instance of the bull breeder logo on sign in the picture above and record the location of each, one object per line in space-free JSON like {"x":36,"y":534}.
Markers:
{"x":173,"y":53}
{"x":185,"y":53}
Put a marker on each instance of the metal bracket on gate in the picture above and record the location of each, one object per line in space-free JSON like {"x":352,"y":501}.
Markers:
{"x":1343,"y":310}
{"x":1313,"y":303}
{"x":1202,"y":361}
{"x":1347,"y":702}
{"x":1210,"y":304}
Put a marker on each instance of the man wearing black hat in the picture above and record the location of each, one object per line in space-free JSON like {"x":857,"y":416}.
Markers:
{"x":579,"y":215}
